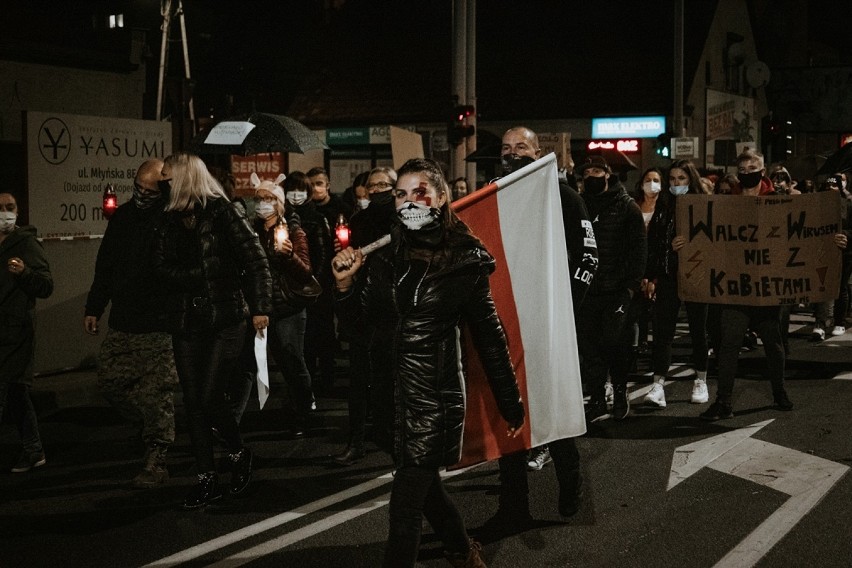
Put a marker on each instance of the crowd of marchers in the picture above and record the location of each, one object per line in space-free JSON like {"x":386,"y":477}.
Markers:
{"x":196,"y":279}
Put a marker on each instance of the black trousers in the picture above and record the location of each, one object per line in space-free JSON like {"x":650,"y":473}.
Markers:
{"x":205,"y":360}
{"x":514,"y":486}
{"x":604,"y":348}
{"x":417,"y":491}
{"x":666,"y":312}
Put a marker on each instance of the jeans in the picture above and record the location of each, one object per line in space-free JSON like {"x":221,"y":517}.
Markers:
{"x":205,"y":359}
{"x":666,"y":312}
{"x":734,"y":321}
{"x":16,"y":397}
{"x":286,"y":344}
{"x":417,"y":491}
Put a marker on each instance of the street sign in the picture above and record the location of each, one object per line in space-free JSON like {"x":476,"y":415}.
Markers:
{"x":684,"y":148}
{"x":804,"y":477}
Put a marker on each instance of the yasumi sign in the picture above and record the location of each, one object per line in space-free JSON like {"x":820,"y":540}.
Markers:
{"x":72,"y":158}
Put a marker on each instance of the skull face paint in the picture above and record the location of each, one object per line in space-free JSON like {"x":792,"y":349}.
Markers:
{"x":417,"y":202}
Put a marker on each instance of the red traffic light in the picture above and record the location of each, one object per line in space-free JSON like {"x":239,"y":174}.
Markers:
{"x":464,"y":111}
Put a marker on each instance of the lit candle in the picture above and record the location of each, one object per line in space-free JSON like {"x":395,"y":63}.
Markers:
{"x":281,"y":234}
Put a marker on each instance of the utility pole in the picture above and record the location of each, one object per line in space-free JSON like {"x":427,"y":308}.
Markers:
{"x":678,"y":129}
{"x":169,"y":9}
{"x":459,"y":54}
{"x":470,"y":56}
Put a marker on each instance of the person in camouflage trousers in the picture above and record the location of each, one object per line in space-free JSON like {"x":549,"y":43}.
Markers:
{"x":136,"y":371}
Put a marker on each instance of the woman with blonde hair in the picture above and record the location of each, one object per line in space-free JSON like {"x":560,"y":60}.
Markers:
{"x":216,"y":277}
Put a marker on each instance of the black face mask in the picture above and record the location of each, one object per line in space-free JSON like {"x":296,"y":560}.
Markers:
{"x":594,"y":185}
{"x":381,"y":198}
{"x":145,"y":200}
{"x":512,"y":162}
{"x":750,"y":180}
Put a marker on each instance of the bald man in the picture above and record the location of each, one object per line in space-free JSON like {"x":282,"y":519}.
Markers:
{"x":136,"y":369}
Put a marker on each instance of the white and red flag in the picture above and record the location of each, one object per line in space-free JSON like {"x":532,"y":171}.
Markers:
{"x":519,"y":219}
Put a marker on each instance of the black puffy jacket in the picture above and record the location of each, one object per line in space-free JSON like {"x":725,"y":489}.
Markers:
{"x":415,"y":309}
{"x":622,"y":244}
{"x":213,"y":265}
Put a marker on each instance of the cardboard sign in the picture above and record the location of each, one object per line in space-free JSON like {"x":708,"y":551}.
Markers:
{"x":759,"y":251}
{"x":267,"y":166}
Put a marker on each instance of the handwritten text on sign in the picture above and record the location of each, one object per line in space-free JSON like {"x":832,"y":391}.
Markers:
{"x":759,"y":251}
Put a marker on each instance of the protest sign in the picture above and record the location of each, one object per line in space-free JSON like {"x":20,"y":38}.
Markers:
{"x":760,"y":251}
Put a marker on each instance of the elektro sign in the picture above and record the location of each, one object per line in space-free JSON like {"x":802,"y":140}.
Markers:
{"x":629,"y":127}
{"x":627,"y":146}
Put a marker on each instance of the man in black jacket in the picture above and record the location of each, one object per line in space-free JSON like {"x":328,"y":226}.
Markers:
{"x":521,"y":147}
{"x":622,"y":254}
{"x":136,"y":369}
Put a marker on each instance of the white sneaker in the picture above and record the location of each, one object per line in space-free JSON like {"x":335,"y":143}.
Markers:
{"x":699,"y":392}
{"x":838,"y":330}
{"x":818,"y":334}
{"x":608,"y":396}
{"x":656,"y":396}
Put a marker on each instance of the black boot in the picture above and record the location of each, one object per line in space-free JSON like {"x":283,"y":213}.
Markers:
{"x":782,"y":402}
{"x":206,"y":491}
{"x":241,"y":468}
{"x":570,"y":493}
{"x":620,"y":402}
{"x":352,"y":455}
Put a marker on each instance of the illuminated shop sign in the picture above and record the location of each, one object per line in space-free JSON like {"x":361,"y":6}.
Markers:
{"x":628,"y":146}
{"x":631,"y":126}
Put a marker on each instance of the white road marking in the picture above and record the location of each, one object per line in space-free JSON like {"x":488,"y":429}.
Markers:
{"x":290,"y":538}
{"x":806,"y":478}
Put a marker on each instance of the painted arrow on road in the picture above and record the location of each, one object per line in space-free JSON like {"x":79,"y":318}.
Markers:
{"x":805,"y":478}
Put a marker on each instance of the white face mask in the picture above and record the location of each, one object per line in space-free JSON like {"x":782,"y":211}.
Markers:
{"x":363,"y":203}
{"x":297,"y":197}
{"x":651,"y":187}
{"x":678,"y":189}
{"x":7,"y":221}
{"x":264,"y":210}
{"x":415,"y":216}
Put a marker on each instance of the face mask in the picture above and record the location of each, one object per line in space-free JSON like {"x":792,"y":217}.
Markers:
{"x":415,"y":216}
{"x":264,"y":210}
{"x":7,"y":221}
{"x":297,"y":197}
{"x":145,"y":200}
{"x":513,"y":162}
{"x":651,"y":187}
{"x":679,"y":189}
{"x":363,"y":203}
{"x":750,"y":180}
{"x":594,"y":185}
{"x":382,"y":198}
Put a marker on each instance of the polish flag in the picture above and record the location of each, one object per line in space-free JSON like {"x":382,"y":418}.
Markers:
{"x":519,"y":219}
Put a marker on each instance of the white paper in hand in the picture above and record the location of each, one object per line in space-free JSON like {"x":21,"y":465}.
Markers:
{"x":262,"y":371}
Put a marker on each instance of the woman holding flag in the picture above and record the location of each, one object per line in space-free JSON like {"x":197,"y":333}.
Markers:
{"x":413,"y":295}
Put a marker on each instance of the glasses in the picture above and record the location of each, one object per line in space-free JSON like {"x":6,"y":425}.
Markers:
{"x":380,"y":185}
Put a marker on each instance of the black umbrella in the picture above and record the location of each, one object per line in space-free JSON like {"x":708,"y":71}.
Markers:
{"x":257,"y":133}
{"x":839,"y":162}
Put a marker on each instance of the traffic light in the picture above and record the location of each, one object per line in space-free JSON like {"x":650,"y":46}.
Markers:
{"x":459,"y":128}
{"x":663,"y":145}
{"x":777,"y":137}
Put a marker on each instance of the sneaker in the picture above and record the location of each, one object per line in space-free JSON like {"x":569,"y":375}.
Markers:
{"x":28,"y":461}
{"x":838,"y":330}
{"x":717,"y":411}
{"x":620,"y":403}
{"x":596,"y":411}
{"x":539,"y":457}
{"x":699,"y":392}
{"x":608,"y":393}
{"x":818,"y":334}
{"x":656,"y":396}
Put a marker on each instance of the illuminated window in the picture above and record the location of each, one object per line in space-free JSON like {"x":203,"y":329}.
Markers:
{"x":116,"y":21}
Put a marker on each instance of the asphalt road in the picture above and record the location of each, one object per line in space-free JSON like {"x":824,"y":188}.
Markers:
{"x":663,"y":489}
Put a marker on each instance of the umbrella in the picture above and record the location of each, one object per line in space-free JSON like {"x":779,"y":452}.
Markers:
{"x":255,"y":134}
{"x":840,"y":161}
{"x":804,"y":167}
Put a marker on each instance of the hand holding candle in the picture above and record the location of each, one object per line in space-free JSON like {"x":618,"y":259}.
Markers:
{"x":341,"y":230}
{"x":282,"y":237}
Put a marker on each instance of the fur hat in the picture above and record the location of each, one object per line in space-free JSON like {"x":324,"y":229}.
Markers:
{"x":272,"y":187}
{"x":595,"y":162}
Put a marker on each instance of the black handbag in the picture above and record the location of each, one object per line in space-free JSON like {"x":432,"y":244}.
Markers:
{"x":299,"y":295}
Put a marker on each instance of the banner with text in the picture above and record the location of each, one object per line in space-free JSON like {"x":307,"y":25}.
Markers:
{"x":267,"y":166}
{"x":760,"y":251}
{"x":71,"y":159}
